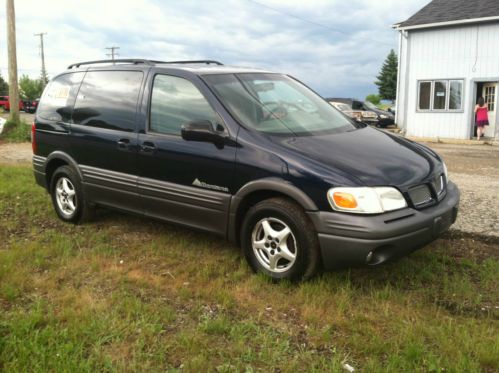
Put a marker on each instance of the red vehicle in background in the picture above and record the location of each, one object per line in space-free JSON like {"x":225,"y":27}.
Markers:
{"x":5,"y":104}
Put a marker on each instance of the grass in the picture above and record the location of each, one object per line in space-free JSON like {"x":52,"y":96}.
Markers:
{"x":130,"y":294}
{"x":13,"y":132}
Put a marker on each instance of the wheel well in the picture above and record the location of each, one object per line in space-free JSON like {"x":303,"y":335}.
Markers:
{"x":53,"y":165}
{"x":250,"y":200}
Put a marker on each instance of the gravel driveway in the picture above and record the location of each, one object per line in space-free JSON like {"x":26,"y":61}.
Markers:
{"x":474,"y":168}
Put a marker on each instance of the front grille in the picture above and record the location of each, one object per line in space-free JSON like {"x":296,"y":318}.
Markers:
{"x":420,"y":195}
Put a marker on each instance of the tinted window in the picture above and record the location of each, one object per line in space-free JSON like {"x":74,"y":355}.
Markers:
{"x":58,"y":97}
{"x":455,"y":94}
{"x":176,"y":101}
{"x":440,"y":94}
{"x":424,"y":95}
{"x":108,"y":99}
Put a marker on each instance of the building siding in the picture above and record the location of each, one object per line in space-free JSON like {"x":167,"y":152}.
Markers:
{"x":446,"y":53}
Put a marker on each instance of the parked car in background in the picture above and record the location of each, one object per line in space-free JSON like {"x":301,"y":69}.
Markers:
{"x":5,"y":104}
{"x":364,"y":116}
{"x":30,"y":106}
{"x":385,"y":118}
{"x":392,"y":109}
{"x":26,"y":104}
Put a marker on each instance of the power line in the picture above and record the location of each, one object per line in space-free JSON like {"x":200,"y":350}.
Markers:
{"x":113,"y":53}
{"x":316,"y":23}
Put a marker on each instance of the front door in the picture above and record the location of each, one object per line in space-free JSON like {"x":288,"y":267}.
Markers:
{"x":186,"y":182}
{"x":489,"y":93}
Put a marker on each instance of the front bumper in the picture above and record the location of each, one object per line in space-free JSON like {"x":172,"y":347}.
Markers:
{"x":349,"y":240}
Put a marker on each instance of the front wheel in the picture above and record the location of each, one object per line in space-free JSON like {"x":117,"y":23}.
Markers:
{"x":279,"y":240}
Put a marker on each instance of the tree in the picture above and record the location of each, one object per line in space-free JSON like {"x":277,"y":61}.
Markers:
{"x":30,"y":89}
{"x":4,"y":87}
{"x":387,"y":78}
{"x":375,"y":99}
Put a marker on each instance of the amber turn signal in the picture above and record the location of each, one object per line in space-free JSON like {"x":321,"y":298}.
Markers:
{"x":344,"y":200}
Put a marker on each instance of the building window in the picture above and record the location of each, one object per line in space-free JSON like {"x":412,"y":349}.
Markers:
{"x":440,"y":95}
{"x":455,"y":94}
{"x":424,"y":95}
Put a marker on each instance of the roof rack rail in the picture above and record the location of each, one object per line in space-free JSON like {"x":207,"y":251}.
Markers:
{"x":207,"y":62}
{"x":120,"y":60}
{"x":137,"y":61}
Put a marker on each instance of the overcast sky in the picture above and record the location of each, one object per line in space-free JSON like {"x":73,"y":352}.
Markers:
{"x":335,"y":46}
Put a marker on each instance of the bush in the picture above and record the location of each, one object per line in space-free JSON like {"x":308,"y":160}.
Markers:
{"x":375,"y":99}
{"x":16,"y":132}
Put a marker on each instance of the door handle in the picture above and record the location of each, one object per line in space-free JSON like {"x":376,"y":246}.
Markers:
{"x":123,"y":143}
{"x":148,"y":147}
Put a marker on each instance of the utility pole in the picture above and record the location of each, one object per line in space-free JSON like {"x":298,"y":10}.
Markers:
{"x":44,"y":77}
{"x":12,"y":55}
{"x":113,"y":53}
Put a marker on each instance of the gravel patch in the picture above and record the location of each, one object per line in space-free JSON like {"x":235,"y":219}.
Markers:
{"x":15,"y":152}
{"x":479,"y":205}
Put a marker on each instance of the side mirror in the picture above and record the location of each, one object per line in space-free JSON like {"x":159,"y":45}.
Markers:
{"x":200,"y":130}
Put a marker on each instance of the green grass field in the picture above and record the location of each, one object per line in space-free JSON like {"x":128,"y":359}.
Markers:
{"x":129,"y":294}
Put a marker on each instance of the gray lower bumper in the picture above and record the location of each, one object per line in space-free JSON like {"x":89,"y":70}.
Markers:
{"x":347,"y":240}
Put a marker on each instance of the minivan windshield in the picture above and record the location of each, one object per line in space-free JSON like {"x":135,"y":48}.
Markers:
{"x":277,"y":104}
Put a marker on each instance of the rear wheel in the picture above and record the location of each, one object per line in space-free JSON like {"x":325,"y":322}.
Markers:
{"x":67,"y":196}
{"x":279,"y":240}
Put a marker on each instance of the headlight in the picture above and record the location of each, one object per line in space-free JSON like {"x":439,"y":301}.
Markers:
{"x":366,"y":200}
{"x":383,"y":116}
{"x":445,"y":173}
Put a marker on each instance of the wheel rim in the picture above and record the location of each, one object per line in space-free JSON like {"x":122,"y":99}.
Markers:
{"x":274,"y":245}
{"x":65,"y":195}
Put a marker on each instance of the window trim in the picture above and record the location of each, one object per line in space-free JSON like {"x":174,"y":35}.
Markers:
{"x":447,"y":98}
{"x":149,"y":107}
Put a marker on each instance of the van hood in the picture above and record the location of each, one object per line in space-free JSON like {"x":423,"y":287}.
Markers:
{"x":368,"y":156}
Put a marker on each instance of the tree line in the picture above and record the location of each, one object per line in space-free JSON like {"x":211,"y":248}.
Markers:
{"x":29,"y":89}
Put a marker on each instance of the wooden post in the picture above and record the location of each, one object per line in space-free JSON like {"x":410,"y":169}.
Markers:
{"x":12,"y":56}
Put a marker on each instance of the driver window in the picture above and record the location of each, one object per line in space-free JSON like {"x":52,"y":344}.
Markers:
{"x":175,"y":101}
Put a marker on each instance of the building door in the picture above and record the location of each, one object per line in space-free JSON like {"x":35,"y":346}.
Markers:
{"x":489,"y":93}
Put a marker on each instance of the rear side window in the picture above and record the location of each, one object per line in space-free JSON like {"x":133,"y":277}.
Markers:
{"x":108,"y":99}
{"x":175,"y":101}
{"x":58,"y":97}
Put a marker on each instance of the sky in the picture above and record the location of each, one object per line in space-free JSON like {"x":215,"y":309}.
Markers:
{"x":336,"y":47}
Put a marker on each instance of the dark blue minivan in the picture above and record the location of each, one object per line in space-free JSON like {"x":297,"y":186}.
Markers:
{"x":251,"y":155}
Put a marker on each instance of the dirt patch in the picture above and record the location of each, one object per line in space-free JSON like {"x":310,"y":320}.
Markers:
{"x":16,"y":153}
{"x":468,"y":245}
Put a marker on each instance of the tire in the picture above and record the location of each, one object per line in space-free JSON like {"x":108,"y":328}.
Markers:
{"x":68,"y":197}
{"x":270,"y":249}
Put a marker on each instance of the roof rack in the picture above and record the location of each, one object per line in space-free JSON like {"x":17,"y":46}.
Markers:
{"x":137,"y":61}
{"x":207,"y":62}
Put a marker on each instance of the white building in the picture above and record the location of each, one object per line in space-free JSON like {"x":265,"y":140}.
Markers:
{"x":448,"y":57}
